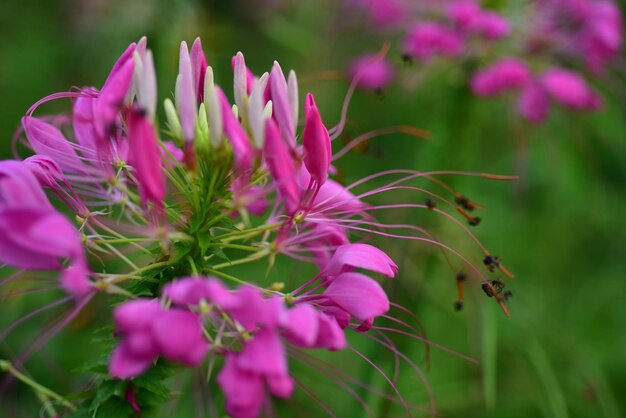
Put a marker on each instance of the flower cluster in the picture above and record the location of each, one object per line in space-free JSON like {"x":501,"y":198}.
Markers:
{"x":231,"y":180}
{"x":542,"y":58}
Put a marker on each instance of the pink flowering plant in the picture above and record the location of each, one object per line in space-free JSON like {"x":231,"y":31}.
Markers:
{"x":542,"y":52}
{"x":154,"y":219}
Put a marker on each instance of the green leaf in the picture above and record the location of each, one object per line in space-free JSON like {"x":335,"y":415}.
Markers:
{"x":114,"y":407}
{"x":106,"y":390}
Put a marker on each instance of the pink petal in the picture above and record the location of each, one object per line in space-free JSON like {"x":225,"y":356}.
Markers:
{"x":75,"y":280}
{"x":534,"y":103}
{"x":362,"y":256}
{"x":145,"y":155}
{"x":186,"y":94}
{"x":243,"y":390}
{"x":179,"y":335}
{"x":281,"y":386}
{"x":135,"y":315}
{"x":330,"y":335}
{"x":316,"y":143}
{"x":301,"y":329}
{"x":48,"y":140}
{"x":264,"y":354}
{"x":281,"y":166}
{"x":110,"y":101}
{"x":124,"y":364}
{"x":242,"y":148}
{"x":281,"y":106}
{"x":19,"y":185}
{"x":359,"y":295}
{"x":198,"y":68}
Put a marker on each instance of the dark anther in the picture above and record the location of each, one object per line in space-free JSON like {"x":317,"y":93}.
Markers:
{"x":496,"y":287}
{"x":461,"y":277}
{"x":491,"y":262}
{"x":474,"y":221}
{"x":464,"y":202}
{"x":458,"y":305}
{"x":407,"y":59}
{"x":487,"y":289}
{"x":430,"y":204}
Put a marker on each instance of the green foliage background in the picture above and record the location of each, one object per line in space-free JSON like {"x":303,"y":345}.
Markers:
{"x":560,"y":228}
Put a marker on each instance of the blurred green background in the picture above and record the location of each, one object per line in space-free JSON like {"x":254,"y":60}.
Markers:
{"x":560,"y":228}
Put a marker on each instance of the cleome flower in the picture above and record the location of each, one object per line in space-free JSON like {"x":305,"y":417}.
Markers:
{"x":159,"y":214}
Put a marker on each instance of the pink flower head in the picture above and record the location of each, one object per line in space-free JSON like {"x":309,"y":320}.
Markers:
{"x":357,"y":294}
{"x":505,"y":75}
{"x":534,"y":103}
{"x":316,"y":143}
{"x":426,"y":40}
{"x":372,"y":72}
{"x":385,"y":12}
{"x":493,"y":26}
{"x":350,"y":256}
{"x":601,"y":39}
{"x":281,"y":166}
{"x":148,"y":330}
{"x":570,"y":89}
{"x":465,"y":15}
{"x":145,"y":156}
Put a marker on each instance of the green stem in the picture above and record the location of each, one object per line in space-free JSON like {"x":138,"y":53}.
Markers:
{"x":247,"y":233}
{"x":257,"y":256}
{"x":7,"y":367}
{"x":235,"y":247}
{"x":149,"y":267}
{"x":226,"y":276}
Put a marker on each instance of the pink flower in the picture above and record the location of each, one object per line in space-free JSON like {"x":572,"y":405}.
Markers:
{"x":372,"y":72}
{"x":602,"y":38}
{"x":465,"y":15}
{"x":570,"y":89}
{"x":148,"y":330}
{"x":316,"y":143}
{"x":33,"y":235}
{"x":534,"y":103}
{"x":385,"y":12}
{"x":505,"y":75}
{"x":426,"y":40}
{"x":493,"y":26}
